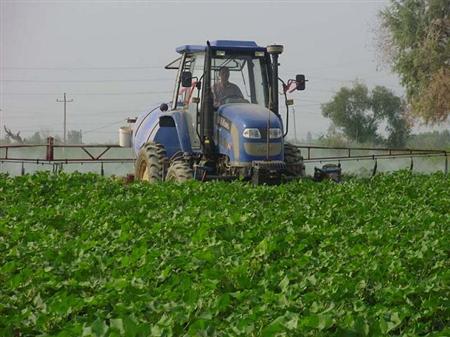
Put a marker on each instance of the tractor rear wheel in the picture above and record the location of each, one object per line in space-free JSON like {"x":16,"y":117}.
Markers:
{"x":179,"y":171}
{"x":150,"y":161}
{"x":293,"y":160}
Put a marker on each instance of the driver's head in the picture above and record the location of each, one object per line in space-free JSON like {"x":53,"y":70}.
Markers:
{"x":224,"y":74}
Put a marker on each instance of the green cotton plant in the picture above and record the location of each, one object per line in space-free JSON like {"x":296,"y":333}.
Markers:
{"x":82,"y":255}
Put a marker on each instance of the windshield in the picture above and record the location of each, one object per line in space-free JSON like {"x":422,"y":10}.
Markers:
{"x":239,"y":79}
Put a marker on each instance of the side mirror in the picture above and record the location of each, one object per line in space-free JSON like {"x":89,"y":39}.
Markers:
{"x":186,"y":79}
{"x":300,"y":81}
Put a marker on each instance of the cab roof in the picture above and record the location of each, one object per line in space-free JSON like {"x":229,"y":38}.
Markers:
{"x":229,"y":45}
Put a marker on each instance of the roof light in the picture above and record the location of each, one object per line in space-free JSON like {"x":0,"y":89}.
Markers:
{"x":275,"y":49}
{"x":220,"y":53}
{"x":259,"y":53}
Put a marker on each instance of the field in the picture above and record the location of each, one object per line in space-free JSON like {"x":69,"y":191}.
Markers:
{"x":82,"y":255}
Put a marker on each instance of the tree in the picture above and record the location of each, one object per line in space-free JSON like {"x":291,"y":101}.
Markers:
{"x":74,"y":137}
{"x":308,"y":137}
{"x":35,"y":139}
{"x":333,"y":137}
{"x":38,"y":137}
{"x":392,"y":109}
{"x":431,"y":140}
{"x":350,"y":111}
{"x":415,"y":39}
{"x":358,"y":113}
{"x":11,"y":136}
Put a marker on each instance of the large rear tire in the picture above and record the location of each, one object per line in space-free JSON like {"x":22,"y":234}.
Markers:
{"x":293,"y":160}
{"x":179,"y":171}
{"x":149,"y":165}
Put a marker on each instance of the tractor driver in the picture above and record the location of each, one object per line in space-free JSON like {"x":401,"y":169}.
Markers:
{"x":225,"y":89}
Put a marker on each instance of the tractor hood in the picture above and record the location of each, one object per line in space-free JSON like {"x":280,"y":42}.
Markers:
{"x":244,"y":115}
{"x":233,"y":119}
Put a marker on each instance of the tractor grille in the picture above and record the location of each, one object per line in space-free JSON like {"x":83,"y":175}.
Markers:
{"x":273,"y":165}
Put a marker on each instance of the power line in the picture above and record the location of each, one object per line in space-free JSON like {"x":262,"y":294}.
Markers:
{"x":79,"y":116}
{"x":104,"y":126}
{"x":206,"y":2}
{"x":26,"y":112}
{"x":83,"y":68}
{"x":54,"y":126}
{"x":89,"y":93}
{"x":87,"y":81}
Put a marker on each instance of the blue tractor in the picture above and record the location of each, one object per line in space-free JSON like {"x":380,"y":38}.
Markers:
{"x":223,"y":121}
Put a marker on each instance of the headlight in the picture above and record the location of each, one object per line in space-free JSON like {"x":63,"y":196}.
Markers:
{"x":251,"y":133}
{"x":275,"y":133}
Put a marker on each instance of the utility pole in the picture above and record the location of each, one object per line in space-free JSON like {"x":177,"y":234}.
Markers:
{"x":65,"y":101}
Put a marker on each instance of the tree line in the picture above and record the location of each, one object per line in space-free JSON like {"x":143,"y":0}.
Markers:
{"x":40,"y":137}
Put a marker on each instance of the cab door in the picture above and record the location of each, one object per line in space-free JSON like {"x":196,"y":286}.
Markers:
{"x":191,"y":96}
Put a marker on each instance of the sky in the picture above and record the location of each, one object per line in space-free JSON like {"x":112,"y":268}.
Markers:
{"x":109,"y":56}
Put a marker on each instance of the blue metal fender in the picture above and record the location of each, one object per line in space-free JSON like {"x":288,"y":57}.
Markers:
{"x":168,"y":128}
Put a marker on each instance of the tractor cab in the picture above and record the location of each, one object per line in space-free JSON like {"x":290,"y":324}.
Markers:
{"x":235,"y":74}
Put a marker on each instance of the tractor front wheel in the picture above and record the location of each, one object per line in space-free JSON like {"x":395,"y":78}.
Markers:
{"x":179,"y":171}
{"x":150,"y":161}
{"x":293,"y":160}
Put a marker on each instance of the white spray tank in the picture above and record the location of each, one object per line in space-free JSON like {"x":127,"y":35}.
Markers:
{"x":126,"y":133}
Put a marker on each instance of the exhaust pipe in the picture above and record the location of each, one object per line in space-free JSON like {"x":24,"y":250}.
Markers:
{"x":274,"y":50}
